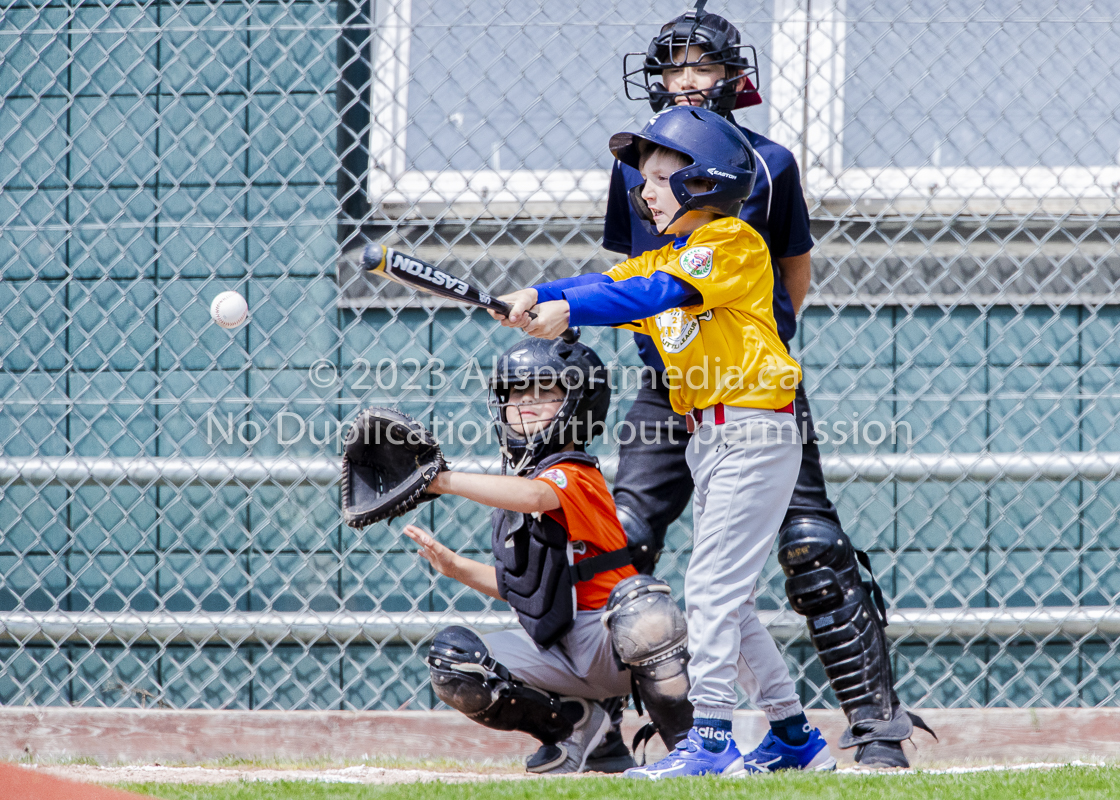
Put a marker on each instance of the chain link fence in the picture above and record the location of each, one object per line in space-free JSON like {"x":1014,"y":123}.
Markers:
{"x":169,"y":524}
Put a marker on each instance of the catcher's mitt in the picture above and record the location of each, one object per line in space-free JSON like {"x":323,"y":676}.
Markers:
{"x":387,"y":462}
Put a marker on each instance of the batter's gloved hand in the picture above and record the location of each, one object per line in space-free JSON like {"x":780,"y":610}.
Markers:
{"x":388,"y":460}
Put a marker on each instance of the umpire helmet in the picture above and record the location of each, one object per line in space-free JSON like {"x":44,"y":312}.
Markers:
{"x":573,"y":367}
{"x":719,"y":40}
{"x":719,"y":152}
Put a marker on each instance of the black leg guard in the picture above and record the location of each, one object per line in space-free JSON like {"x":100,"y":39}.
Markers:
{"x":468,"y":679}
{"x":846,"y":618}
{"x":650,"y":636}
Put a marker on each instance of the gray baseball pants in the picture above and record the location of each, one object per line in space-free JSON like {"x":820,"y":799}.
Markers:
{"x":581,"y":664}
{"x":744,"y":472}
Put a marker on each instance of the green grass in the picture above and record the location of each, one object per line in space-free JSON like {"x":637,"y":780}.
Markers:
{"x":1060,"y":783}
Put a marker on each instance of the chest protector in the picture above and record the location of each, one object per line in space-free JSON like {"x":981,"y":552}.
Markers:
{"x":534,"y":558}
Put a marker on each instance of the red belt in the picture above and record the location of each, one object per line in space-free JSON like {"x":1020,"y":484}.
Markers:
{"x":696,"y":416}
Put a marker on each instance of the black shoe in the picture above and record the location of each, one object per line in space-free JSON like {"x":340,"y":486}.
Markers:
{"x":611,"y":755}
{"x":881,"y":755}
{"x":572,"y":754}
{"x":547,"y":757}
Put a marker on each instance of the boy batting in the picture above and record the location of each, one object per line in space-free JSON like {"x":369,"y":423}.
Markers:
{"x":706,"y":299}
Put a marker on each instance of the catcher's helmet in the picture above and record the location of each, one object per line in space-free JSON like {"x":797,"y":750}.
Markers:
{"x":573,"y":367}
{"x":719,"y":151}
{"x":720,"y":41}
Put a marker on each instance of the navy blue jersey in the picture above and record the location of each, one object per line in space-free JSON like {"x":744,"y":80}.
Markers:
{"x":776,"y":209}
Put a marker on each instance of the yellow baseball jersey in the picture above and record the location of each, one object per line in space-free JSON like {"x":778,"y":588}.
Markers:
{"x":727,"y":349}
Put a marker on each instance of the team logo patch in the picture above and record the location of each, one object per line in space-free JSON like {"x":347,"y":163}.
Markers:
{"x":557,"y":476}
{"x":697,"y":261}
{"x":677,"y":328}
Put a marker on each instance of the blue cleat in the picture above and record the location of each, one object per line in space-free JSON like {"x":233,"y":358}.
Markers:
{"x":691,"y":758}
{"x":774,"y":754}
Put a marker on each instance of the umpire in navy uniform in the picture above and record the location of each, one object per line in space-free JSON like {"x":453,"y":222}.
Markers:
{"x":698,"y":60}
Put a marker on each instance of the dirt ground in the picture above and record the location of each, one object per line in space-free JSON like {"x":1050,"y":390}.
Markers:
{"x":155,"y":773}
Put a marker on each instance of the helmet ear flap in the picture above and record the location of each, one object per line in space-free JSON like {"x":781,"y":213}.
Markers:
{"x":639,"y":204}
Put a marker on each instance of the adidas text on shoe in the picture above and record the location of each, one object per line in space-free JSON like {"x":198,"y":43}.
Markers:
{"x":691,"y":758}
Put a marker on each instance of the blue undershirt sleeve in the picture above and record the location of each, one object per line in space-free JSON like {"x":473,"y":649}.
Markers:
{"x":554,"y":290}
{"x":629,"y":300}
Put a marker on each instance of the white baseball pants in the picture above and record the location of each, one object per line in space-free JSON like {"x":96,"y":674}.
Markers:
{"x":744,"y":471}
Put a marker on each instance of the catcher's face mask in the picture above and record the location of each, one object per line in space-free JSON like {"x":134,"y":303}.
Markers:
{"x":530,"y":409}
{"x":690,"y":40}
{"x":533,"y":417}
{"x":693,"y":74}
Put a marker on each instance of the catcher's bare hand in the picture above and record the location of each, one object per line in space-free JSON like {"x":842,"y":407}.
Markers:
{"x":441,"y":558}
{"x":520,"y":302}
{"x":552,"y":320}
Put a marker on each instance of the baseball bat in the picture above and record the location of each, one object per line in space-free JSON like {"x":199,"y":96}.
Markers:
{"x":424,"y":277}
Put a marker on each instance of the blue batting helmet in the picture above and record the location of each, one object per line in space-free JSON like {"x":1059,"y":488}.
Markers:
{"x":719,"y":151}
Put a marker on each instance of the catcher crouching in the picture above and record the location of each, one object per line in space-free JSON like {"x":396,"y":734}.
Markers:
{"x":592,"y":629}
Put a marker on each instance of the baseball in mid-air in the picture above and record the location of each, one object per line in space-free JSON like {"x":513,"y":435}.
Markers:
{"x":229,"y":309}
